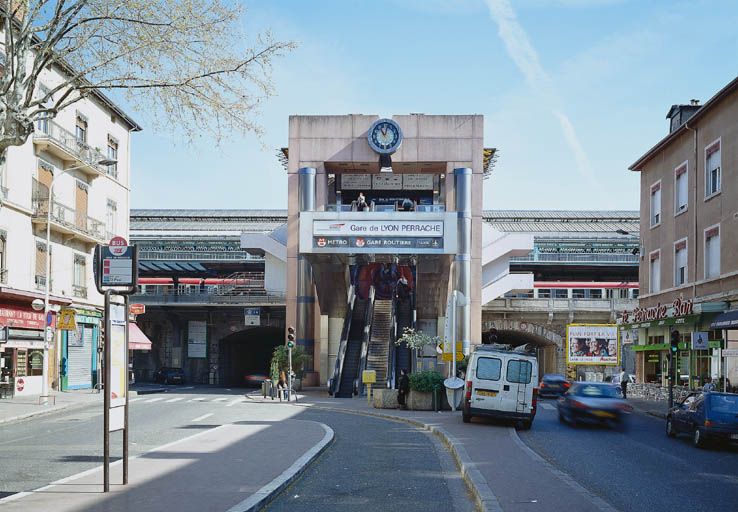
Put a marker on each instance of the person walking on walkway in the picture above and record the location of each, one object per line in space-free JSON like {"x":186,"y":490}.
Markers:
{"x":403,"y":389}
{"x":624,"y":383}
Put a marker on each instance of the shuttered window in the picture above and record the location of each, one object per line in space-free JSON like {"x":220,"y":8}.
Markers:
{"x":712,"y":169}
{"x":655,"y":272}
{"x":712,"y":252}
{"x":656,"y":204}
{"x":680,"y":263}
{"x":41,"y":255}
{"x":81,"y":128}
{"x":680,"y":189}
{"x":79,"y":357}
{"x":80,"y":203}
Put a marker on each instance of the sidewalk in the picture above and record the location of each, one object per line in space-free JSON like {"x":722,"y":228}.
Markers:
{"x":23,"y":407}
{"x":491,"y":457}
{"x":656,"y":408}
{"x":262,"y":458}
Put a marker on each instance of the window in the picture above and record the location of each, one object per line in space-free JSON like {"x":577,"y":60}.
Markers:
{"x":636,"y":292}
{"x":81,"y":128}
{"x":544,"y":293}
{"x":42,"y":121}
{"x":41,"y":255}
{"x":79,"y":286}
{"x":578,"y":293}
{"x":656,"y":204}
{"x":712,"y":169}
{"x":488,"y":368}
{"x":595,"y":293}
{"x":712,"y":252}
{"x":680,"y":189}
{"x":655,"y":272}
{"x":560,"y":293}
{"x":680,"y":262}
{"x":113,"y":155}
{"x":111,"y":219}
{"x":519,"y":371}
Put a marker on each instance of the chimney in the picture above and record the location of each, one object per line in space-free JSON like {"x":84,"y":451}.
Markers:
{"x":680,"y":114}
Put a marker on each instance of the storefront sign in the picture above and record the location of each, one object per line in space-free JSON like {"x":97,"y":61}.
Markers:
{"x":379,"y":228}
{"x":680,"y":307}
{"x":356,"y":181}
{"x":387,"y":181}
{"x":417,"y":182}
{"x":360,"y":242}
{"x":23,"y":318}
{"x":592,"y":344}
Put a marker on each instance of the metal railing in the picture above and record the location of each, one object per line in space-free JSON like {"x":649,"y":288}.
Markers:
{"x":49,"y":129}
{"x":4,"y":275}
{"x":144,"y":255}
{"x":170,"y":294}
{"x":69,"y":218}
{"x":385,"y":208}
{"x":576,"y":258}
{"x":543,"y":304}
{"x":79,"y":291}
{"x":335,"y":382}
{"x":40,"y":281}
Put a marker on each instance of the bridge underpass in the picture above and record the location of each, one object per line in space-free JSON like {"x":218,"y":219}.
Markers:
{"x":248,"y":353}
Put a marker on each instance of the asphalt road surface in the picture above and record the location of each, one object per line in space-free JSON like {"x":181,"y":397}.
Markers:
{"x":372,"y":464}
{"x":638,"y":468}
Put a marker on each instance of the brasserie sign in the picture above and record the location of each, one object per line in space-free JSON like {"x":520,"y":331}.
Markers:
{"x":680,"y":307}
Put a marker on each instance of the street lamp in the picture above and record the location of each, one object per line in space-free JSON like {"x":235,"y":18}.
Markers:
{"x":47,"y":327}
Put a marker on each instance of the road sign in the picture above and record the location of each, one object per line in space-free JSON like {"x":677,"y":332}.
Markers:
{"x":447,"y":346}
{"x":252,"y":316}
{"x":118,"y":245}
{"x":448,"y":356}
{"x":67,"y":320}
{"x":730,"y":352}
{"x":137,"y":309}
{"x":116,"y":265}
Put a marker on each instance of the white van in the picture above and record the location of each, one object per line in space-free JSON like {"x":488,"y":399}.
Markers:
{"x":501,"y":384}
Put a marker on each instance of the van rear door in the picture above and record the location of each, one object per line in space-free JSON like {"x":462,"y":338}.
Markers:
{"x":517,"y":391}
{"x":487,"y":383}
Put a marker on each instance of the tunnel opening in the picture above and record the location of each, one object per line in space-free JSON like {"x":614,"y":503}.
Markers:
{"x":545,"y":349}
{"x":245,"y":355}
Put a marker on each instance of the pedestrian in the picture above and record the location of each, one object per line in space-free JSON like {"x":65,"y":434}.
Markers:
{"x":361,"y":204}
{"x":282,"y":385}
{"x":624,"y":383}
{"x":709,"y":386}
{"x":403,"y":389}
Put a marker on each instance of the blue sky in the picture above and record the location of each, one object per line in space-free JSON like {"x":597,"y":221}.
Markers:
{"x":573,"y":91}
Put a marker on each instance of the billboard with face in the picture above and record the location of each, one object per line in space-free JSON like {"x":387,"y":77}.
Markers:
{"x":592,"y":344}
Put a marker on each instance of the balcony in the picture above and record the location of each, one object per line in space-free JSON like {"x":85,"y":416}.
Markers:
{"x":51,"y":137}
{"x":67,"y":221}
{"x":79,"y":291}
{"x":577,"y":258}
{"x":162,"y":295}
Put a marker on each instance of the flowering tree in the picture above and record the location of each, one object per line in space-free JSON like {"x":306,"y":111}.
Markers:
{"x":417,"y":340}
{"x":184,"y":64}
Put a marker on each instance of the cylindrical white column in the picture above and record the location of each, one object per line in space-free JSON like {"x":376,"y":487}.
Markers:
{"x":305,"y":299}
{"x":462,"y":264}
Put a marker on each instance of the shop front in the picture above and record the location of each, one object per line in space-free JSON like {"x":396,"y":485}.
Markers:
{"x":21,"y":350}
{"x":79,"y":355}
{"x":698,"y":355}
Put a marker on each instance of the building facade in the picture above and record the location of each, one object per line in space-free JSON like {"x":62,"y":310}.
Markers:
{"x":689,"y":239}
{"x":57,"y":175}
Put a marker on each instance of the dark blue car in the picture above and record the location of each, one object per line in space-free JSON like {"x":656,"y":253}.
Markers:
{"x":167,"y":375}
{"x":706,"y":417}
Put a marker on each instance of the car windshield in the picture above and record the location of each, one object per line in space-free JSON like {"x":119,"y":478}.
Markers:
{"x":590,"y":390}
{"x":724,"y":404}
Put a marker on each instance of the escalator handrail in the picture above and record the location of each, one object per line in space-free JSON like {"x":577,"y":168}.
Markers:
{"x":368,"y":315}
{"x":392,"y":347}
{"x":338,"y":369}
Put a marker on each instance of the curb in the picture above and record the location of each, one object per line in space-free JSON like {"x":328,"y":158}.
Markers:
{"x":45,"y":412}
{"x":267,"y":493}
{"x":147,"y":391}
{"x":484,"y":498}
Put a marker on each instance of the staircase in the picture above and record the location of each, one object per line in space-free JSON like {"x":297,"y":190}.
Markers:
{"x":379,"y":341}
{"x":404,"y":319}
{"x":352,"y":356}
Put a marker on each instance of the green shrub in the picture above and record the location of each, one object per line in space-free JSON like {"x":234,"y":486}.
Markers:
{"x":425,"y":381}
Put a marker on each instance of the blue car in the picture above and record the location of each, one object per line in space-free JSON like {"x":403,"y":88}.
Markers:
{"x":167,"y":375}
{"x":706,"y":417}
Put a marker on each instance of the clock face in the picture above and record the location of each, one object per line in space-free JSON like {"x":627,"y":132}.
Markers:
{"x":385,"y":136}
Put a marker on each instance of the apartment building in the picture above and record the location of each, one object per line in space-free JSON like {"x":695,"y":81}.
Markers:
{"x":689,"y":242}
{"x":58,"y":175}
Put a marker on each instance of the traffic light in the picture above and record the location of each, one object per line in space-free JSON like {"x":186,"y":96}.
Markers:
{"x":675,"y":339}
{"x":290,"y":337}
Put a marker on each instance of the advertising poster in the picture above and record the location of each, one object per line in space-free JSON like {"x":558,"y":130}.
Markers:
{"x":594,"y":344}
{"x":197,"y":337}
{"x":117,"y":365}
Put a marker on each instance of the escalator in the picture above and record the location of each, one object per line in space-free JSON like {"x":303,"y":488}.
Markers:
{"x":403,"y":355}
{"x":379,"y":356}
{"x":352,"y":355}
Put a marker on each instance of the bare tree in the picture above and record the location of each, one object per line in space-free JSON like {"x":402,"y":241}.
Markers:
{"x":185,"y":65}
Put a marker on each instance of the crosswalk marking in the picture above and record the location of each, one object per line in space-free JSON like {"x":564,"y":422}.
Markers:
{"x":174,"y":400}
{"x":135,"y":399}
{"x":221,"y":399}
{"x":198,"y":399}
{"x":154,"y":399}
{"x":234,"y":402}
{"x":200,"y":418}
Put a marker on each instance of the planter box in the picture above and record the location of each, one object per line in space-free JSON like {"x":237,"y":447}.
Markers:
{"x":385,"y":399}
{"x":420,"y":401}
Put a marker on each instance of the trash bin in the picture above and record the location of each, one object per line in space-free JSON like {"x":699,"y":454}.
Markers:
{"x":266,"y":388}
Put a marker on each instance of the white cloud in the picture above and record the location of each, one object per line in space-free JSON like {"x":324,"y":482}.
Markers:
{"x":526,"y":58}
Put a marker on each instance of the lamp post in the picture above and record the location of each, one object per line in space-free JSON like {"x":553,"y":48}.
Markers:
{"x":47,"y":276}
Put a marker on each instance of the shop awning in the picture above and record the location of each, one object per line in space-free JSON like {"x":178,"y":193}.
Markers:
{"x":137,"y":340}
{"x":727,"y":320}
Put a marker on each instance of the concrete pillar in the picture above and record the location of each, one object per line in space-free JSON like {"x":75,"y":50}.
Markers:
{"x":305,"y":298}
{"x":462,"y":264}
{"x":335,"y":327}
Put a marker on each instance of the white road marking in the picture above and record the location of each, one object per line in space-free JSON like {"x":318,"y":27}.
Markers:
{"x":135,"y":399}
{"x":234,"y":402}
{"x":200,"y":418}
{"x":154,"y":399}
{"x":198,"y":399}
{"x":221,"y":399}
{"x":188,"y":387}
{"x":550,"y":407}
{"x":174,"y":400}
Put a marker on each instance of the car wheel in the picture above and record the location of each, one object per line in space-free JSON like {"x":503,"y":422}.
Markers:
{"x":670,"y":432}
{"x":698,"y":438}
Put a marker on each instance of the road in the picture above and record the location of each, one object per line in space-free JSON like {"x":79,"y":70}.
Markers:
{"x":371,"y":462}
{"x":638,"y":468}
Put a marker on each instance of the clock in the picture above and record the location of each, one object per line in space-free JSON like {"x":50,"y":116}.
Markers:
{"x":385,"y":136}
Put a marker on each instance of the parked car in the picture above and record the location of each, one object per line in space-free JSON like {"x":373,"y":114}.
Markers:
{"x":553,"y":384}
{"x":254,"y":380}
{"x":166,"y":375}
{"x":705,"y":416}
{"x":593,"y":403}
{"x":501,"y":384}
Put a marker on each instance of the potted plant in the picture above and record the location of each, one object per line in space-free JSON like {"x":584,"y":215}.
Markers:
{"x":417,"y":340}
{"x":422,"y":386}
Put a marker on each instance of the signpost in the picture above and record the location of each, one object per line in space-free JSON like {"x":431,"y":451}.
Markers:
{"x":67,"y":320}
{"x":369,"y":377}
{"x":116,"y":273}
{"x":137,"y":309}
